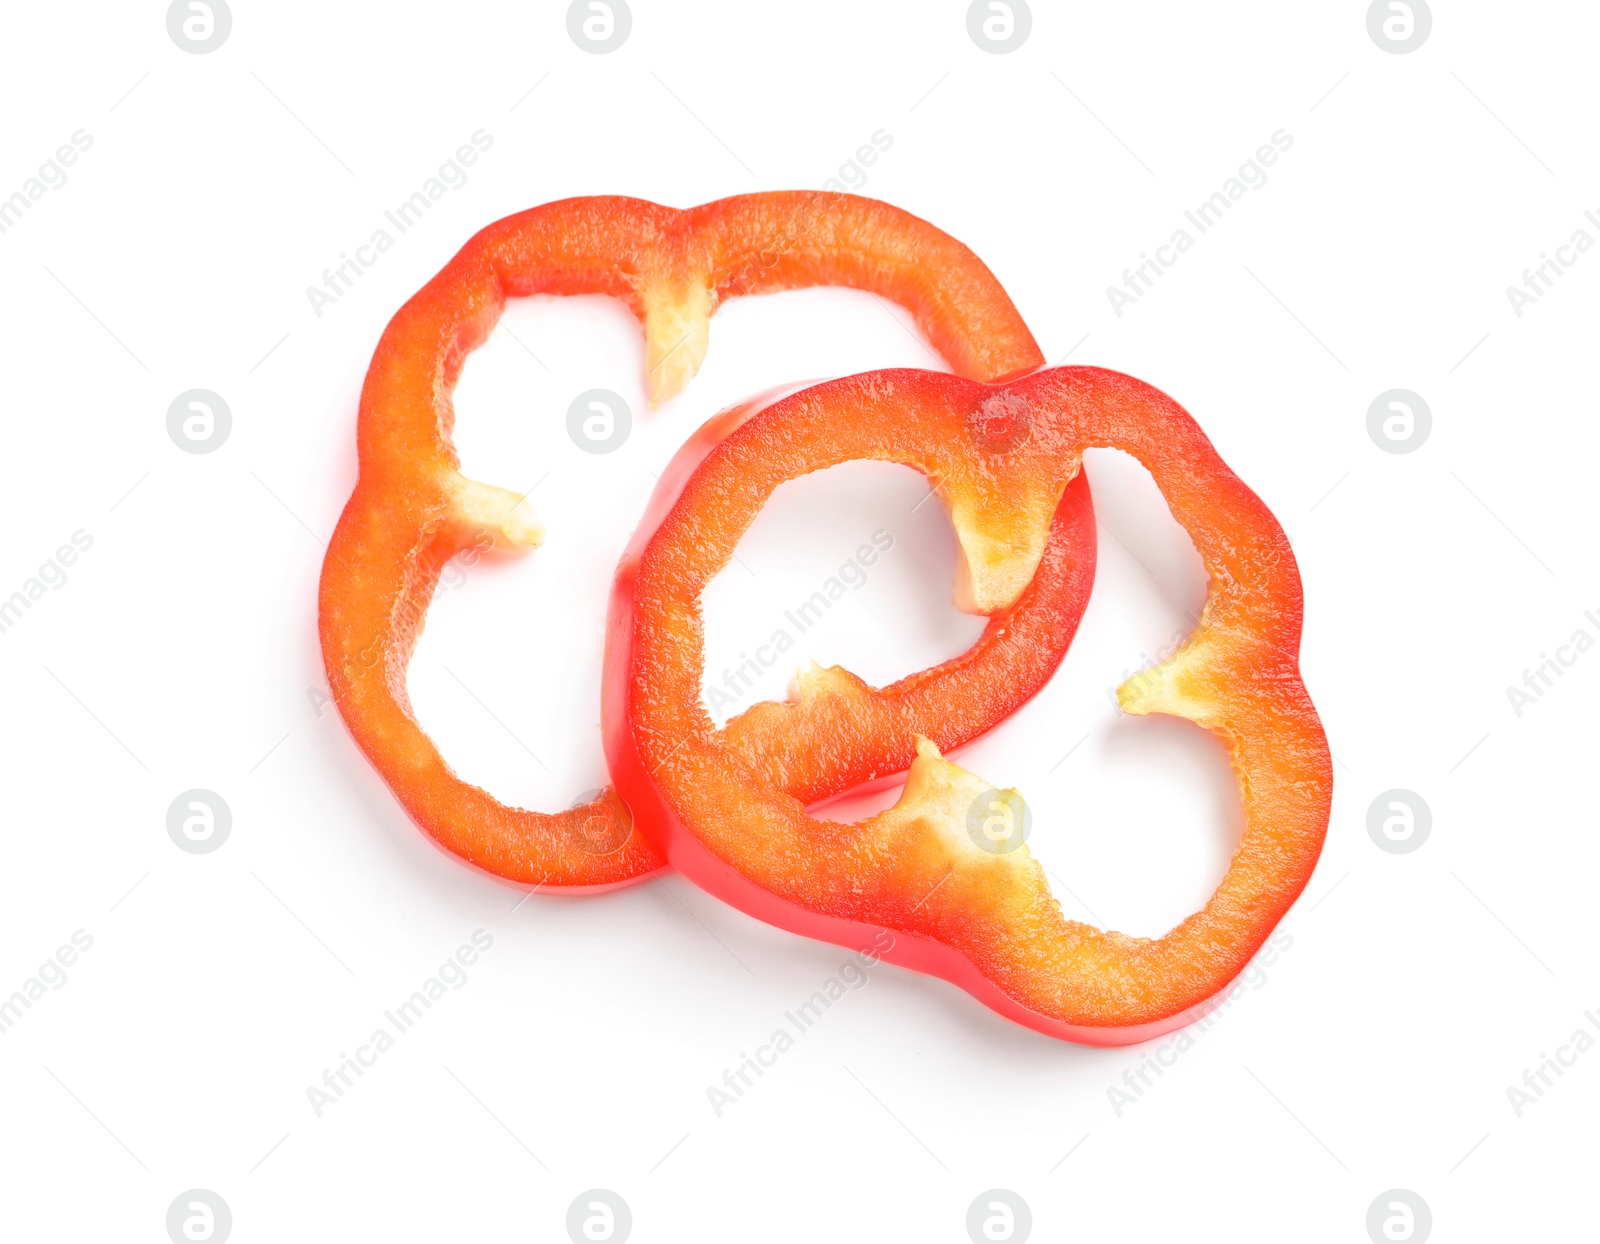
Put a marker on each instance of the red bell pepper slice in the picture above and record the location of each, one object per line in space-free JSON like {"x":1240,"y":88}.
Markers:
{"x":928,"y":870}
{"x":412,"y":509}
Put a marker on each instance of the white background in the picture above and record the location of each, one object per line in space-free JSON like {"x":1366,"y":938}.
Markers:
{"x":181,"y":652}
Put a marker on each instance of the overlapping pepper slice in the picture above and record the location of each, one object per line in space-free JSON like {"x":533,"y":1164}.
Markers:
{"x":412,"y":509}
{"x":927,"y":870}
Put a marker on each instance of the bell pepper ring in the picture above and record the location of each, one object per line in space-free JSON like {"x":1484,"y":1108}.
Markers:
{"x":836,"y":733}
{"x":946,"y":871}
{"x":412,"y":509}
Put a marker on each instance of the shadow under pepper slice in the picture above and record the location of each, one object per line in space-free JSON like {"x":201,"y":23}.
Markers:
{"x":944,"y":871}
{"x":412,"y":509}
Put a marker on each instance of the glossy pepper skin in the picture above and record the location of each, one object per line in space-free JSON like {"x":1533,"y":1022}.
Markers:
{"x":412,"y":509}
{"x":983,"y":920}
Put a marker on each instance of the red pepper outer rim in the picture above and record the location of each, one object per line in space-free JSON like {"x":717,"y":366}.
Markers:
{"x":1212,"y":680}
{"x":690,"y":856}
{"x":411,"y":510}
